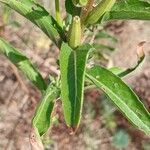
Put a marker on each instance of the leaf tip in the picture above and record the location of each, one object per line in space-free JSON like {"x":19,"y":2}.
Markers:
{"x":35,"y":141}
{"x":140,"y":50}
{"x":73,"y":130}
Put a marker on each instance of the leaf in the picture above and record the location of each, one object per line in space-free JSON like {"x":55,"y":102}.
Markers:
{"x":23,"y":63}
{"x":122,"y":96}
{"x":71,"y":8}
{"x":103,"y":47}
{"x":72,"y":67}
{"x":129,"y":9}
{"x":123,"y":72}
{"x":117,"y":71}
{"x":35,"y":140}
{"x":38,"y":15}
{"x":6,"y":14}
{"x":42,"y":117}
{"x":105,"y":35}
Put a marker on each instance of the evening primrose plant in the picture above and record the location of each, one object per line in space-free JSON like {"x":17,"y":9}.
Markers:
{"x":68,"y":35}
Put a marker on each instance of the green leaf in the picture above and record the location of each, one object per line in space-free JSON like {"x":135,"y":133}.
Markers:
{"x":42,"y":117}
{"x":123,"y":72}
{"x":117,"y":70}
{"x":129,"y":9}
{"x":105,"y":35}
{"x":72,"y":67}
{"x":6,"y":14}
{"x":122,"y":96}
{"x":71,"y":8}
{"x":38,"y":15}
{"x":23,"y":63}
{"x":103,"y":47}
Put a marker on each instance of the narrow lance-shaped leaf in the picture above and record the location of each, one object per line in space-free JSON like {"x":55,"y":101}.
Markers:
{"x":35,"y":140}
{"x":122,"y":96}
{"x":42,"y":117}
{"x":123,"y":72}
{"x":129,"y":9}
{"x":38,"y":15}
{"x":105,"y":35}
{"x":72,"y":67}
{"x":103,"y":47}
{"x":23,"y":63}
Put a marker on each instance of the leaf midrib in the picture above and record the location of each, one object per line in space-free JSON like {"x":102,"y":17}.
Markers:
{"x":75,"y":73}
{"x":141,"y":122}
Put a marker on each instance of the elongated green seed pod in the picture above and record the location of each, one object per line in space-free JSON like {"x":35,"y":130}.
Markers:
{"x":74,"y":34}
{"x":98,"y":11}
{"x":79,"y":3}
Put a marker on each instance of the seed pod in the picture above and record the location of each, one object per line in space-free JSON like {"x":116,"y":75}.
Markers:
{"x":98,"y":11}
{"x":74,"y":34}
{"x":79,"y":3}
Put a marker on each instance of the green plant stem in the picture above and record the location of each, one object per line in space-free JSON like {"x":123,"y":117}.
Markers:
{"x":57,"y":13}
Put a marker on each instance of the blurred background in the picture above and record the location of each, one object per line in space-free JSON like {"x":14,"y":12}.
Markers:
{"x":102,"y":126}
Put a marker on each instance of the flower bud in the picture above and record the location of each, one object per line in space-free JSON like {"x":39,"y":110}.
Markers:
{"x":74,"y":34}
{"x":98,"y":11}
